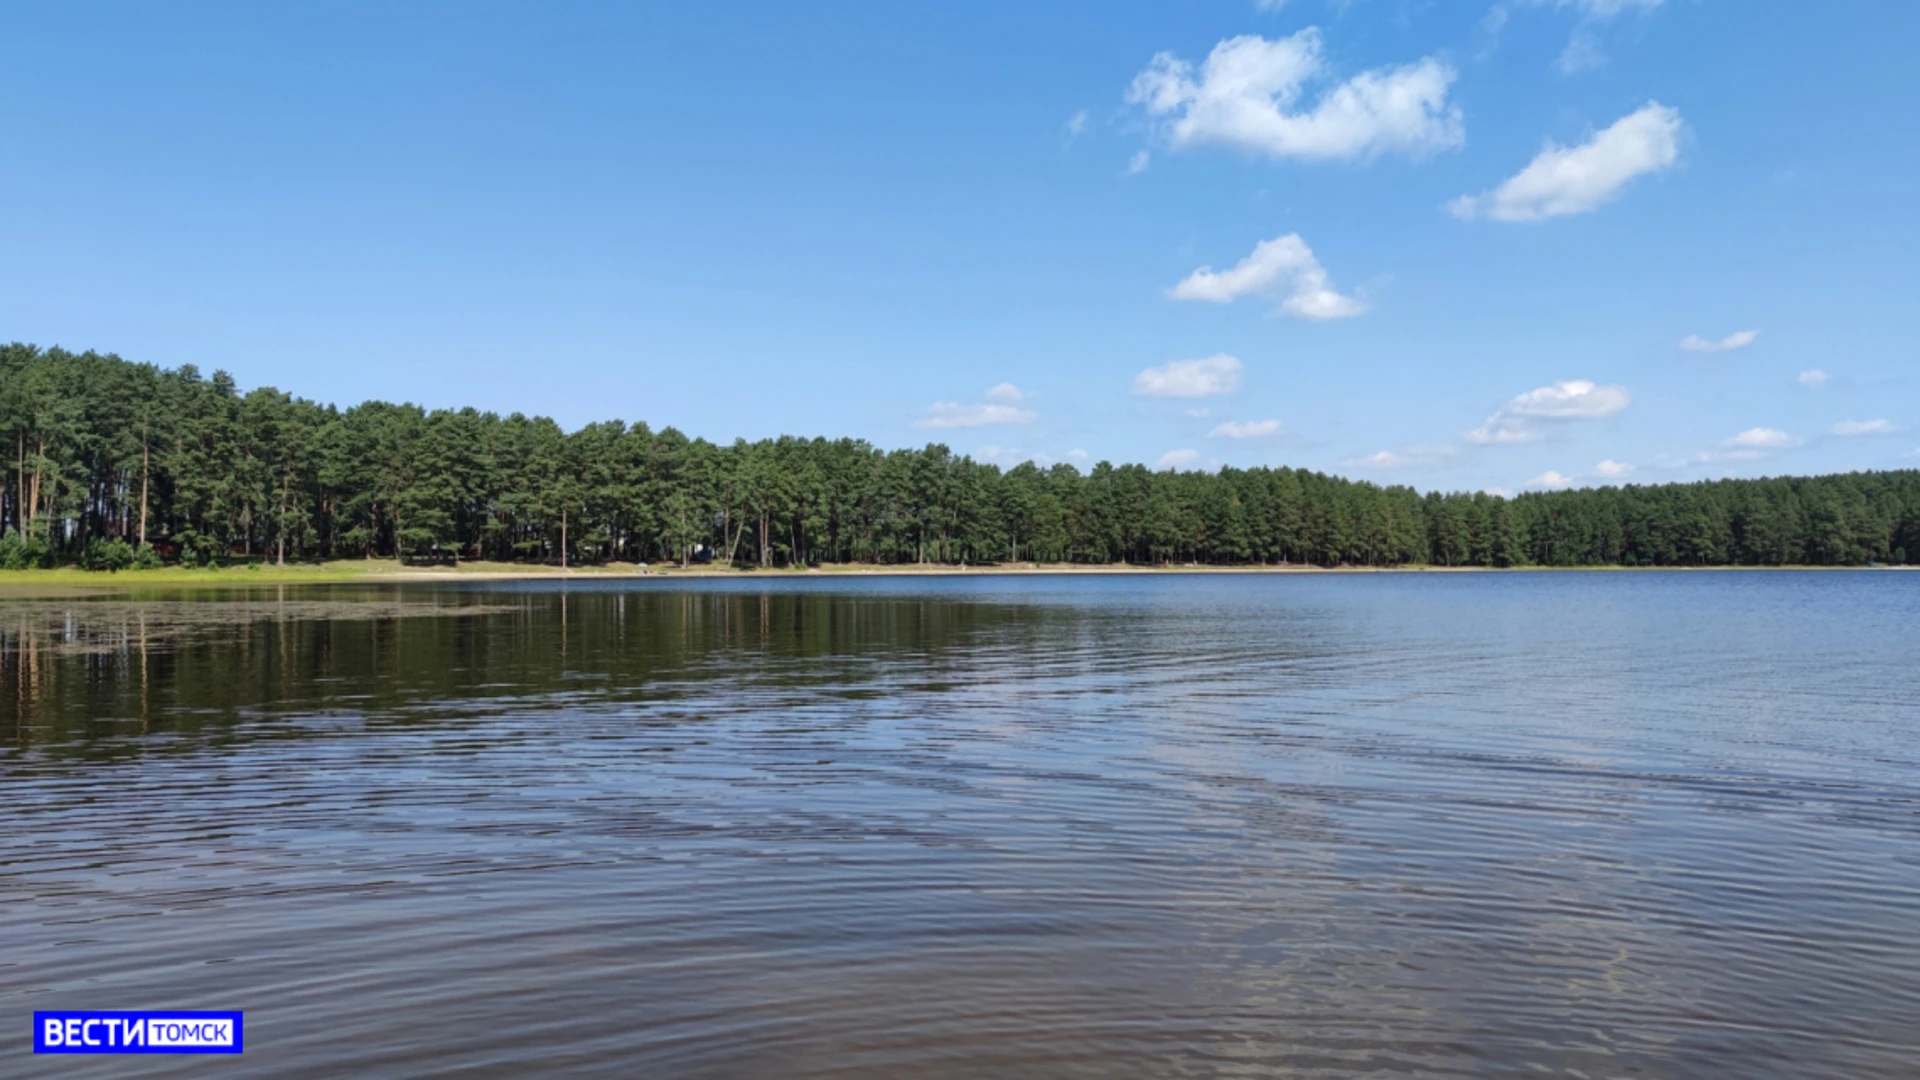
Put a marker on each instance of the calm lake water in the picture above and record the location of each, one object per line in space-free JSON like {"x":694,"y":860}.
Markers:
{"x":1599,"y":824}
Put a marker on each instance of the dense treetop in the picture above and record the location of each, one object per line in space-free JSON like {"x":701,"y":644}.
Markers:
{"x":109,"y":457}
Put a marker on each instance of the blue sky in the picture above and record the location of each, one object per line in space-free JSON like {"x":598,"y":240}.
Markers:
{"x":1456,"y":245}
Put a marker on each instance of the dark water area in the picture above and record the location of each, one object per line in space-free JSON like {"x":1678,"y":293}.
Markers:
{"x":1595,"y":824}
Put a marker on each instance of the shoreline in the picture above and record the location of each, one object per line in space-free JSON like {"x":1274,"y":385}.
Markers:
{"x":19,"y":583}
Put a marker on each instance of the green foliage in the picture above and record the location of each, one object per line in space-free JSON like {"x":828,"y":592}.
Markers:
{"x":18,"y":553}
{"x":146,"y":559}
{"x":107,"y":553}
{"x":191,"y":548}
{"x":104,"y":454}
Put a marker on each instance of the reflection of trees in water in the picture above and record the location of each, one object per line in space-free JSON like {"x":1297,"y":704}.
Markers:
{"x":86,"y":669}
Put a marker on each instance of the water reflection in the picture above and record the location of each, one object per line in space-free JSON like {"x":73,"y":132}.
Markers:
{"x":1649,"y":825}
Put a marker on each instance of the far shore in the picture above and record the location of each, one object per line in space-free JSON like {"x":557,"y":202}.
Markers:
{"x":21,"y":583}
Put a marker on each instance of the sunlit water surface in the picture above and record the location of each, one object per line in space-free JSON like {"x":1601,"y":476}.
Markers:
{"x":1658,"y":825}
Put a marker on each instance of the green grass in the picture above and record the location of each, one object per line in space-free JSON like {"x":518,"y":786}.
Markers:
{"x":339,"y":571}
{"x":336,"y":570}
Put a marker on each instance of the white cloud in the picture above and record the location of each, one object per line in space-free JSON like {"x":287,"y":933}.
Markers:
{"x":1008,"y":457}
{"x":1179,"y":459}
{"x":1581,"y":54}
{"x":1864,"y":427}
{"x":1269,"y":5}
{"x":1138,"y":163}
{"x":1551,"y":479}
{"x":1760,"y":438}
{"x":1002,"y":407}
{"x":1571,"y":399}
{"x":1249,"y":429}
{"x":1381,"y":459}
{"x":1247,"y":95}
{"x":1218,"y":374}
{"x":1575,"y":180}
{"x":1739,"y":340}
{"x":1283,"y":268}
{"x":1410,"y":457}
{"x":1613,"y":470}
{"x":1076,"y":125}
{"x":1583,"y":48}
{"x":1199,"y":412}
{"x":1576,"y":399}
{"x":1598,"y":9}
{"x":952,"y":414}
{"x":1750,"y":445}
{"x":1815,"y":378}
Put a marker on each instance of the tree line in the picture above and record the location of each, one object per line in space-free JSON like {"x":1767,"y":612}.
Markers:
{"x":117,"y":463}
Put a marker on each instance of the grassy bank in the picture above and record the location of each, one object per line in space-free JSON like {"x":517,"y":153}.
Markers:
{"x":377,"y":571}
{"x":334,"y":571}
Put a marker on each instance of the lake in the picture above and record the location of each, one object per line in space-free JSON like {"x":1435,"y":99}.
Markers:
{"x":1601,"y":824}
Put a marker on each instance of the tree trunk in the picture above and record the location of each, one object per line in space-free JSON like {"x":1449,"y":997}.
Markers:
{"x":563,"y":538}
{"x":33,"y":504}
{"x":145,"y":454}
{"x":733,"y":549}
{"x":280,"y":531}
{"x":20,"y":487}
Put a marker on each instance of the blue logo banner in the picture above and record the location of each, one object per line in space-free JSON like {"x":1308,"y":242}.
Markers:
{"x":152,"y":1031}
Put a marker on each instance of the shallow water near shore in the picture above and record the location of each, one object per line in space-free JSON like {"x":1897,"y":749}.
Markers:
{"x":1658,"y":825}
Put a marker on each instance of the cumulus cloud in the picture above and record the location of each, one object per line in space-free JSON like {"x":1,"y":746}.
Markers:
{"x":1551,"y":479}
{"x":1179,"y":459}
{"x":1283,"y":269}
{"x":1524,"y":419}
{"x":1577,"y":179}
{"x":1381,"y":459}
{"x":1751,"y":444}
{"x":1408,"y":458}
{"x":1852,"y":428}
{"x":1613,"y":470}
{"x":1249,"y":429}
{"x":1738,"y":340}
{"x":952,"y":414}
{"x":1217,"y":374}
{"x":1001,"y":407}
{"x":1248,"y":95}
{"x":1761,"y":438}
{"x":1814,"y":377}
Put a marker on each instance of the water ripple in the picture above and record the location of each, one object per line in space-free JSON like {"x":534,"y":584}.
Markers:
{"x":1651,"y":825}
